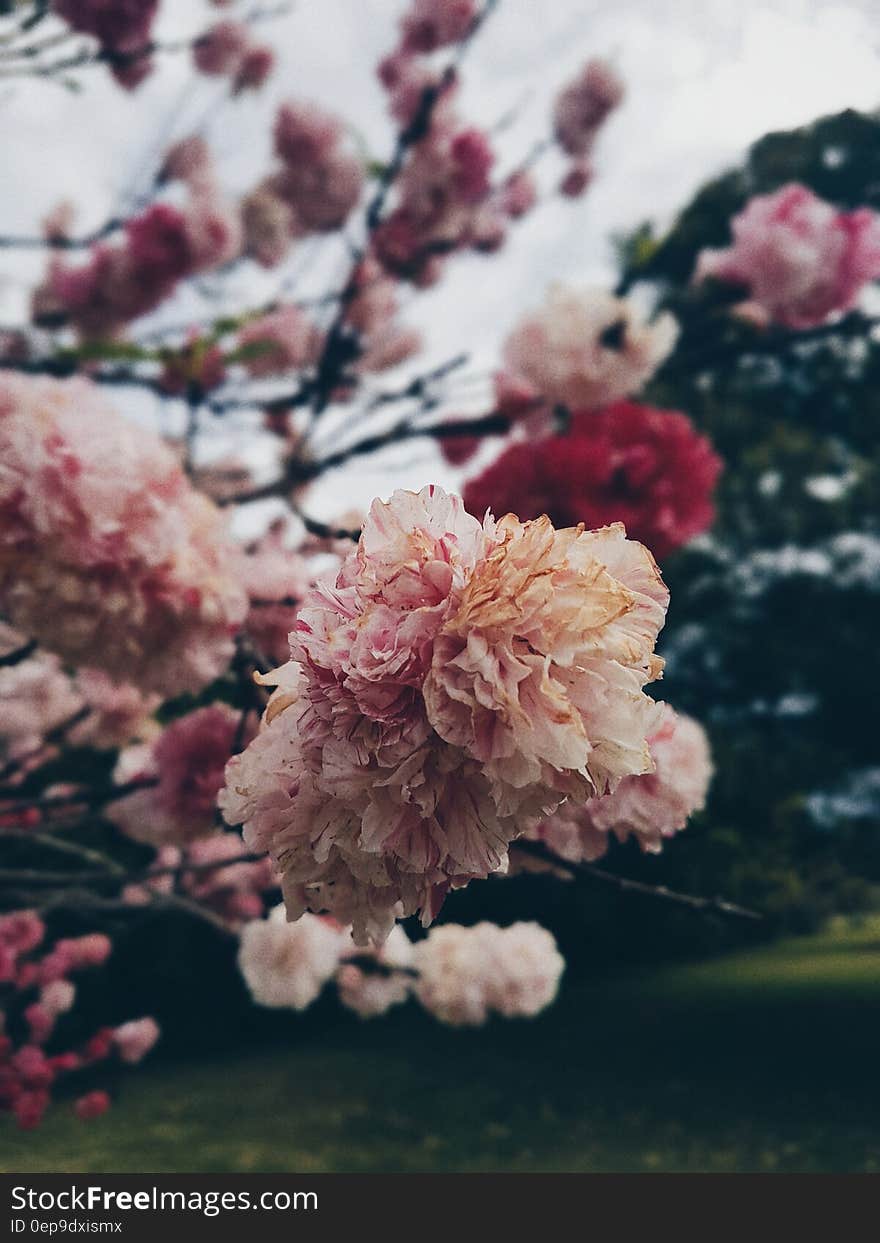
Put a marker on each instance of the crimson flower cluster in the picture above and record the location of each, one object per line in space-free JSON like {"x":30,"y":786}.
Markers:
{"x":37,"y":993}
{"x":649,"y":469}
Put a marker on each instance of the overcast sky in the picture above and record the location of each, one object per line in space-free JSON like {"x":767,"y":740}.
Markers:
{"x":704,"y":77}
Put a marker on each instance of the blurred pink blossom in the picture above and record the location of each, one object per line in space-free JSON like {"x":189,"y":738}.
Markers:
{"x":799,"y":258}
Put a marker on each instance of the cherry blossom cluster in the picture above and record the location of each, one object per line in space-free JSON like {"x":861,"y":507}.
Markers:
{"x":122,"y":29}
{"x":444,"y":198}
{"x":318,"y":183}
{"x":582,"y":108}
{"x":459,"y":975}
{"x":286,"y":339}
{"x":37,"y":992}
{"x":39,"y":696}
{"x":798,"y":258}
{"x":229,"y":50}
{"x":182,"y":770}
{"x":464,"y":974}
{"x":110,"y":558}
{"x":458,"y":680}
{"x":127,"y":277}
{"x":214,"y":873}
{"x":648,"y":808}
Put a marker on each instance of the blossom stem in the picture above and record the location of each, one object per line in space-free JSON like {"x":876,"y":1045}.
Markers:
{"x":333,"y":355}
{"x":111,"y":872}
{"x":18,"y":654}
{"x":714,"y":905}
{"x":89,"y":798}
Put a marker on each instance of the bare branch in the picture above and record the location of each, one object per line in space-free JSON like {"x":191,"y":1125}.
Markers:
{"x":715,"y":905}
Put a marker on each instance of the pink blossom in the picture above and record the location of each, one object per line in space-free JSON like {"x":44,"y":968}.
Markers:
{"x":117,"y":713}
{"x":441,"y":191}
{"x":465,"y":973}
{"x":213,"y":231}
{"x":37,"y":696}
{"x":121,"y":26}
{"x":109,"y":557}
{"x":431,"y":24}
{"x":212,"y":872}
{"x":800,"y":259}
{"x":130,"y":73}
{"x":285,"y":965}
{"x":372,"y":311}
{"x":34,"y":1068}
{"x":650,"y":807}
{"x":473,"y":158}
{"x":519,"y":194}
{"x":187,"y":760}
{"x":28,"y":1075}
{"x":457,"y":450}
{"x":40,"y":1021}
{"x":256,"y":66}
{"x":188,"y":161}
{"x":372,"y":992}
{"x":21,"y":931}
{"x":190,"y":755}
{"x":321,"y":179}
{"x":629,"y":463}
{"x":123,"y":280}
{"x":586,"y":349}
{"x":233,"y":890}
{"x":408,"y":79}
{"x":58,"y":997}
{"x":577,"y":179}
{"x":91,"y":950}
{"x":282,"y":340}
{"x":29,"y":1108}
{"x":584,"y":106}
{"x":458,"y":681}
{"x":221,"y":50}
{"x":488,"y":229}
{"x":538,"y":672}
{"x":91,"y":1105}
{"x":135,"y":1039}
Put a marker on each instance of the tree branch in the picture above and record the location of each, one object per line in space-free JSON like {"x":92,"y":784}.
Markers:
{"x":715,"y":905}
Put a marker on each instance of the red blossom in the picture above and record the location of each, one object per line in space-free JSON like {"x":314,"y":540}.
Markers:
{"x":649,"y":469}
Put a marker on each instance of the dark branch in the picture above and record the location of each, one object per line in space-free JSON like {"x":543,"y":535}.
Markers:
{"x":19,"y":654}
{"x":716,"y":905}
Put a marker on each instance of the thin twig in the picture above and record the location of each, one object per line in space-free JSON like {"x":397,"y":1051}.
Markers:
{"x":19,"y":654}
{"x":716,"y":905}
{"x":111,"y":873}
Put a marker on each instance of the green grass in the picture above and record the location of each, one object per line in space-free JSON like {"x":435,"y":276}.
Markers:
{"x":763,"y":1060}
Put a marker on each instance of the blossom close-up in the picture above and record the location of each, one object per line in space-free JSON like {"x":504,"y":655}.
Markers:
{"x":458,"y":680}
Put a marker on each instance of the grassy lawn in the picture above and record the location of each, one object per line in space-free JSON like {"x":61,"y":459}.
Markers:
{"x":763,"y":1060}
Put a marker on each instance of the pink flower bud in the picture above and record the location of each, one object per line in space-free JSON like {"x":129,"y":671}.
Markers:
{"x":91,"y":1105}
{"x":135,"y":1039}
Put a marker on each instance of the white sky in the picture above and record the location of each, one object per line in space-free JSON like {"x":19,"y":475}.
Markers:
{"x":705,"y":78}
